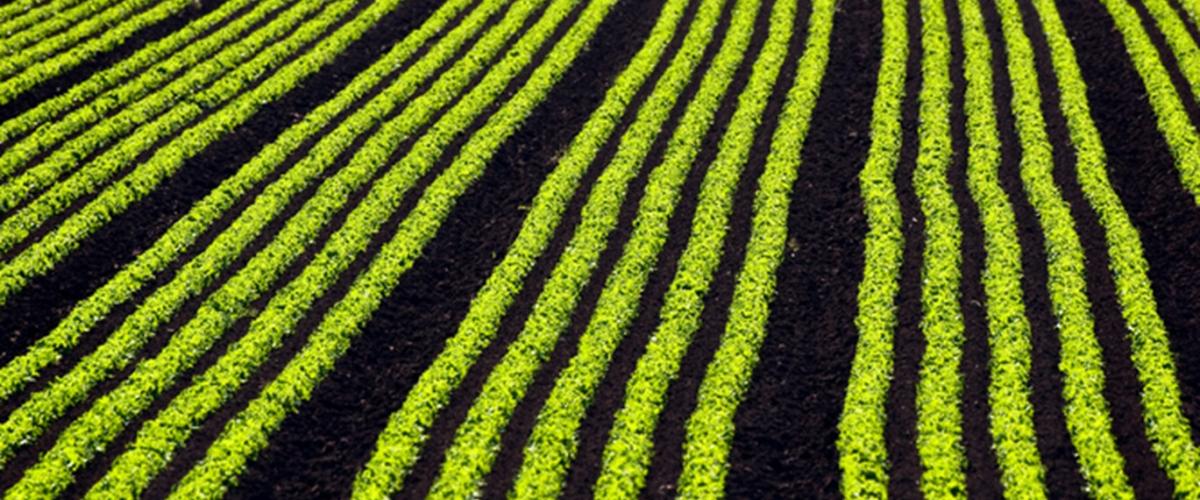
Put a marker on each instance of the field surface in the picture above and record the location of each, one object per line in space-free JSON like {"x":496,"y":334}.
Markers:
{"x":609,"y":248}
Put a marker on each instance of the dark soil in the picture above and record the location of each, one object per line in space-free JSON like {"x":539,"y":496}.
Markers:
{"x":785,"y":444}
{"x":346,"y":413}
{"x":1050,"y":426}
{"x":63,"y":82}
{"x":908,"y":341}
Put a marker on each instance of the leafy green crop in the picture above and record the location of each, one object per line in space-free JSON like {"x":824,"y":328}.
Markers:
{"x":861,"y":447}
{"x":39,"y":65}
{"x":710,"y":428}
{"x":398,"y":445}
{"x":1173,"y":120}
{"x":1166,"y":426}
{"x":247,"y":433}
{"x":60,"y":118}
{"x":939,"y":386}
{"x":154,"y":118}
{"x":1086,"y":411}
{"x":1009,"y":334}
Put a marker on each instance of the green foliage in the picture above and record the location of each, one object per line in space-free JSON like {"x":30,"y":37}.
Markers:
{"x":1086,"y":411}
{"x":398,"y":445}
{"x":1166,"y":427}
{"x":861,"y":447}
{"x":247,"y":433}
{"x":197,"y":274}
{"x":100,"y":423}
{"x":154,"y":118}
{"x":627,"y":454}
{"x":710,"y":429}
{"x":464,"y":468}
{"x":158,"y":438}
{"x":36,"y":66}
{"x":42,"y":27}
{"x":1009,"y":335}
{"x":1173,"y":120}
{"x":939,"y":386}
{"x":59,"y":118}
{"x":18,"y":15}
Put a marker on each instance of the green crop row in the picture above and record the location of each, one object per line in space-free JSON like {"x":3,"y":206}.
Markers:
{"x":710,"y":429}
{"x":398,"y":445}
{"x":861,"y":447}
{"x":247,"y":433}
{"x":626,"y":457}
{"x":1088,"y":421}
{"x":175,"y":106}
{"x":172,"y":426}
{"x":1174,"y":30}
{"x":53,"y":19}
{"x":464,"y":468}
{"x":1166,"y":426}
{"x":109,"y":90}
{"x":231,"y":301}
{"x":1009,"y":334}
{"x":197,"y":274}
{"x":33,"y":45}
{"x":138,"y":64}
{"x":939,"y":386}
{"x":146,"y":175}
{"x":1173,"y":120}
{"x":18,"y":15}
{"x":157,"y":439}
{"x":542,"y":471}
{"x":35,"y":70}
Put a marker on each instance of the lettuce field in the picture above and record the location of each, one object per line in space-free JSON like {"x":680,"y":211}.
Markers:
{"x":531,"y":249}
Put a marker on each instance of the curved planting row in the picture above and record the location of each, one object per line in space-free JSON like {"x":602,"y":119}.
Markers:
{"x":127,"y":83}
{"x":206,"y":267}
{"x":40,"y":257}
{"x":1022,"y":472}
{"x":1173,"y":121}
{"x":230,"y":301}
{"x":145,"y":125}
{"x":40,"y":63}
{"x":19,"y":15}
{"x":939,"y":418}
{"x":1170,"y":434}
{"x":399,"y":444}
{"x":78,"y":20}
{"x":706,"y":450}
{"x":861,"y":446}
{"x":577,"y":354}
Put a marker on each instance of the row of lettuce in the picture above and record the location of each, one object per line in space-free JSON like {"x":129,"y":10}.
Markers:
{"x":110,"y":413}
{"x":864,"y":454}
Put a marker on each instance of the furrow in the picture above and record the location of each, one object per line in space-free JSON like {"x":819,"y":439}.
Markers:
{"x":230,"y":302}
{"x":1087,"y":412}
{"x":197,"y":274}
{"x":19,"y":55}
{"x":158,"y":438}
{"x":1167,"y":428}
{"x":52,"y":248}
{"x":862,"y":447}
{"x":710,"y":428}
{"x":160,"y":117}
{"x":246,"y":434}
{"x":1173,"y":120}
{"x":105,"y":94}
{"x":401,"y":441}
{"x":1009,"y":333}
